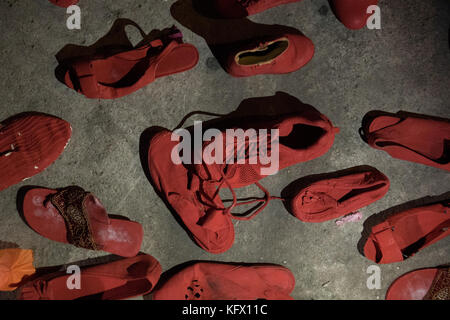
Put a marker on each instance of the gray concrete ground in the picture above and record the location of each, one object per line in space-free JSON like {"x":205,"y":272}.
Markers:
{"x":403,"y":66}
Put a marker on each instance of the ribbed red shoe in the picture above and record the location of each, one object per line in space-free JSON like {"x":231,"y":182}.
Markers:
{"x":227,"y":281}
{"x":64,"y":3}
{"x":29,"y":143}
{"x":353,"y":13}
{"x":118,"y":280}
{"x":270,"y":55}
{"x":343,"y":192}
{"x":244,"y":8}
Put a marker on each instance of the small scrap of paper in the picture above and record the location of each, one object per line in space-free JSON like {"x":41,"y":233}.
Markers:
{"x":351,"y":217}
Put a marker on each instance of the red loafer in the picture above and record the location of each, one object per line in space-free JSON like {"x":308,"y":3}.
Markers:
{"x":243,"y":8}
{"x":353,"y":13}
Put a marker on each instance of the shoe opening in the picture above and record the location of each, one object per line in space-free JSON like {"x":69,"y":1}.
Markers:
{"x":263,"y":55}
{"x":356,"y":192}
{"x":302,"y":136}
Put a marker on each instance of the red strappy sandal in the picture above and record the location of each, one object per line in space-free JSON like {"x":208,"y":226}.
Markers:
{"x":405,"y":233}
{"x":29,"y":143}
{"x":118,"y":280}
{"x":72,"y":215}
{"x":423,"y":284}
{"x":226,"y":281}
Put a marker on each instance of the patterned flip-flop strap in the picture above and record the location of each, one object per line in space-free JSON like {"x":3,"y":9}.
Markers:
{"x":440,"y":289}
{"x":70,"y":204}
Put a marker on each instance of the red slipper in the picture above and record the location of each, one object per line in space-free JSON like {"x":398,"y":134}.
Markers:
{"x":243,"y":8}
{"x":343,"y":193}
{"x":29,"y":143}
{"x":417,"y":138}
{"x":64,"y":3}
{"x":406,"y":233}
{"x":110,"y":77}
{"x":118,"y":280}
{"x":423,"y":284}
{"x":353,"y":13}
{"x":226,"y":281}
{"x":270,"y":55}
{"x":72,"y":215}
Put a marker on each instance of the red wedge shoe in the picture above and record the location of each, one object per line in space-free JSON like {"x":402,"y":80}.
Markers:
{"x":243,"y":8}
{"x":411,"y":137}
{"x":118,"y":280}
{"x":72,"y":215}
{"x":64,"y":3}
{"x":226,"y":281}
{"x":29,"y":143}
{"x":353,"y":13}
{"x":406,"y":233}
{"x":423,"y":284}
{"x":112,"y":76}
{"x":270,"y":55}
{"x":343,"y":192}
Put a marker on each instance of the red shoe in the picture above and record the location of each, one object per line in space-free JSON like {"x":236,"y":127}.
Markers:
{"x":417,"y":138}
{"x":226,"y":281}
{"x":71,"y":215}
{"x":270,"y":55}
{"x":343,"y":192}
{"x":423,"y":284}
{"x":353,"y":13}
{"x":405,"y":233}
{"x":29,"y":143}
{"x":64,"y":3}
{"x":112,"y":76}
{"x":244,"y":8}
{"x":118,"y":280}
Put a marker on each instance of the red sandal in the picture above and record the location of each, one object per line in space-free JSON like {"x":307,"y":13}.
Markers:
{"x":226,"y":281}
{"x":118,"y":280}
{"x":29,"y":143}
{"x":72,"y":215}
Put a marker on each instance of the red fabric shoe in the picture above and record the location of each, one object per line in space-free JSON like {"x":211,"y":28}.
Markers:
{"x":71,"y":215}
{"x":64,"y":3}
{"x":107,"y":76}
{"x":405,"y":233}
{"x":243,"y":8}
{"x":343,"y":192}
{"x":353,"y":13}
{"x":118,"y":280}
{"x":29,"y":143}
{"x":423,"y":284}
{"x":270,"y":55}
{"x":226,"y":281}
{"x":417,"y":138}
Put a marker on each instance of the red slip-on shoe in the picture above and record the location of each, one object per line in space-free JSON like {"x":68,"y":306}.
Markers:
{"x":29,"y":143}
{"x":244,"y":8}
{"x":227,"y":281}
{"x":353,"y":13}
{"x":112,"y":76}
{"x":270,"y":55}
{"x":342,"y":193}
{"x":406,"y":233}
{"x":423,"y":284}
{"x":411,"y":137}
{"x":207,"y":224}
{"x":64,"y":3}
{"x":118,"y":280}
{"x":72,"y":215}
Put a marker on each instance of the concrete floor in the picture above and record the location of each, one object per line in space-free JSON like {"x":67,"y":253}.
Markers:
{"x":403,"y":66}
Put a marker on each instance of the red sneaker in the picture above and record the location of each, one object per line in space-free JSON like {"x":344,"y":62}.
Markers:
{"x":64,"y":3}
{"x":330,"y":196}
{"x":353,"y":13}
{"x":244,"y":8}
{"x":29,"y":143}
{"x":226,"y":281}
{"x":270,"y":55}
{"x":118,"y":280}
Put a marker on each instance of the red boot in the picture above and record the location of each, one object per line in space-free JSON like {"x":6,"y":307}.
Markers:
{"x":243,"y":8}
{"x":353,"y":13}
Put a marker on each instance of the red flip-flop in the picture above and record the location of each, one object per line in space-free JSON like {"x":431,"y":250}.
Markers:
{"x":72,"y":215}
{"x":226,"y":281}
{"x":29,"y":143}
{"x":343,"y":193}
{"x":118,"y":280}
{"x":404,"y":234}
{"x":120,"y":74}
{"x":64,"y":3}
{"x":423,"y":284}
{"x":417,"y":138}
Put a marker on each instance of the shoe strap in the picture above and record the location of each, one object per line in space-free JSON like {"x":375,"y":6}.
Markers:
{"x":440,"y":288}
{"x":384,"y":236}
